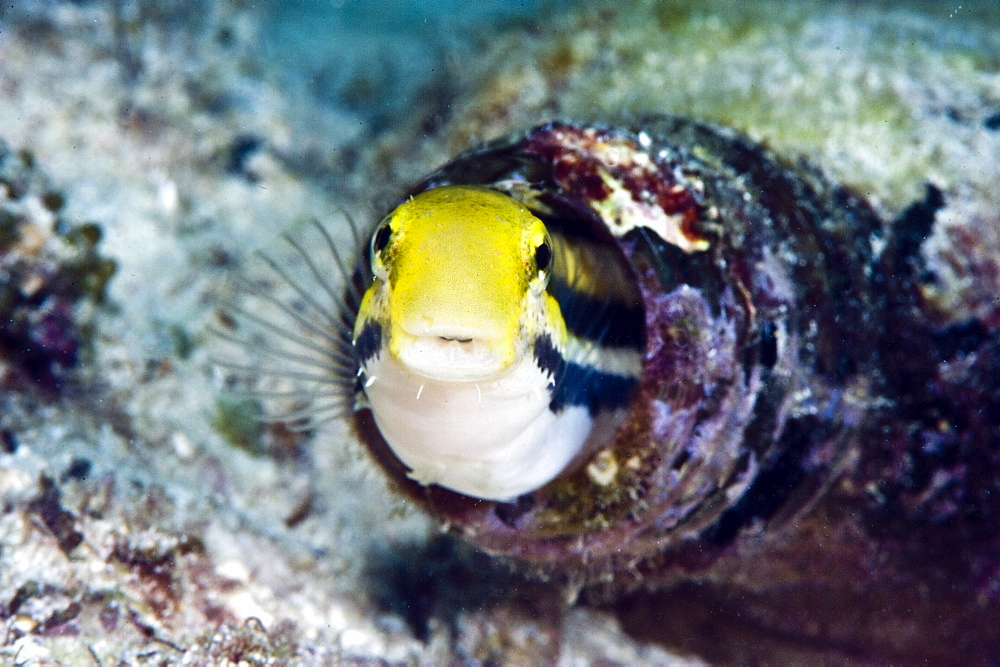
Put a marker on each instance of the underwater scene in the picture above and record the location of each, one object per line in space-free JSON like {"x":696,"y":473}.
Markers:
{"x":548,"y":332}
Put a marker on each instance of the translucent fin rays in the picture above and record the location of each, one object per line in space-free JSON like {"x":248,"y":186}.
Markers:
{"x":285,"y":340}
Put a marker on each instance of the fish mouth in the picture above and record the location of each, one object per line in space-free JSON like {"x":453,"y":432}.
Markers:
{"x":455,"y":357}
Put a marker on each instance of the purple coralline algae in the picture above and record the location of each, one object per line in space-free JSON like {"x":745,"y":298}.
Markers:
{"x":49,"y":270}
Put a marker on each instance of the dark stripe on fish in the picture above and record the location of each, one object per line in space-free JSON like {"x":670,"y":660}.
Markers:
{"x":601,"y":321}
{"x":369,"y":341}
{"x":595,"y":289}
{"x":578,"y":385}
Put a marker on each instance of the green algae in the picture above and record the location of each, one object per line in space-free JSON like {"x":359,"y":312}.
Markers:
{"x":240,"y":421}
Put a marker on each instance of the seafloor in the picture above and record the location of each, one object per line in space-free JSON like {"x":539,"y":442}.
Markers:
{"x":147,"y":149}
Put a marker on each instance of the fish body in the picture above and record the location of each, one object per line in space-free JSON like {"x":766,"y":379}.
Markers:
{"x":465,"y":353}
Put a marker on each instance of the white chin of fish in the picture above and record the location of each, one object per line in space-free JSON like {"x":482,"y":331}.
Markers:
{"x":489,"y":436}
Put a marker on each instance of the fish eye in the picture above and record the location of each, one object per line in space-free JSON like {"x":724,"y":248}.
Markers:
{"x":380,"y":239}
{"x":543,"y":256}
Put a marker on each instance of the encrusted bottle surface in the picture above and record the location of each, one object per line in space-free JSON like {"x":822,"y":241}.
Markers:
{"x":759,"y":311}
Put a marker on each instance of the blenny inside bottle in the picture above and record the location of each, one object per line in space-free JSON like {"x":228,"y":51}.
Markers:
{"x":768,"y":411}
{"x":712,"y":293}
{"x":590,"y":347}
